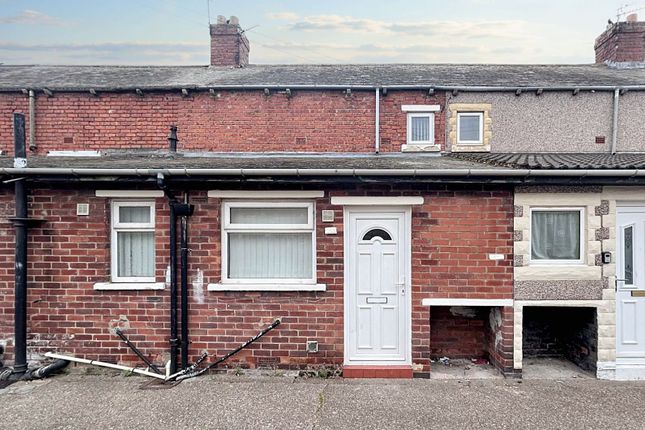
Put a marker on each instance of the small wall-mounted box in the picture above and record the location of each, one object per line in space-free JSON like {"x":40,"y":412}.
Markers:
{"x":331,"y":230}
{"x":312,"y":346}
{"x":327,"y":216}
{"x":606,"y":257}
{"x":82,"y":209}
{"x":495,"y":256}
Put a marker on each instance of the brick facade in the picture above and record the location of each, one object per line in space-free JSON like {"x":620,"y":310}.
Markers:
{"x":621,"y":42}
{"x":452,"y":234}
{"x":229,"y":121}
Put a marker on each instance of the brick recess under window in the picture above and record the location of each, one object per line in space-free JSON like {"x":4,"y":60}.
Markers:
{"x":453,"y":233}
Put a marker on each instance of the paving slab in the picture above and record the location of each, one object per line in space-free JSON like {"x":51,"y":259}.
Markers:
{"x":244,"y":402}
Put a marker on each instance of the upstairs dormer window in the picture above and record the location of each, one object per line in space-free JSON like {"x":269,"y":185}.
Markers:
{"x":470,"y":128}
{"x":420,"y":133}
{"x":420,"y":128}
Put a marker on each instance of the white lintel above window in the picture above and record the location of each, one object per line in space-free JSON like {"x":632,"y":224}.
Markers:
{"x":377,"y":201}
{"x":269,"y":194}
{"x":420,"y":108}
{"x":129,"y":193}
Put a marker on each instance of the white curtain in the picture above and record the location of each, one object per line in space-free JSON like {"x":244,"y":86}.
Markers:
{"x":138,"y":214}
{"x":136,"y":253}
{"x":241,"y":215}
{"x":469,"y":127}
{"x":420,"y":129}
{"x":555,"y":235}
{"x":269,"y":255}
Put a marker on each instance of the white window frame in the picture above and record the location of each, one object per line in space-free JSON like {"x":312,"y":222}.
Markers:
{"x":582,"y":235}
{"x":430,"y":117}
{"x":479,"y":141}
{"x":229,"y":227}
{"x":117,"y":226}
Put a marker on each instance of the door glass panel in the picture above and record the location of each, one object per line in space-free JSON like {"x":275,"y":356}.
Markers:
{"x":628,"y":252}
{"x":377,"y":232}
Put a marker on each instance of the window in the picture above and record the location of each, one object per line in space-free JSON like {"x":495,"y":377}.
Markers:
{"x":420,"y":128}
{"x":470,"y":128}
{"x":268,"y":243}
{"x":557,"y":236}
{"x":133,"y":242}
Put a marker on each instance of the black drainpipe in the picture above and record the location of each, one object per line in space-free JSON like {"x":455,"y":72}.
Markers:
{"x":182,"y":210}
{"x":20,"y":223}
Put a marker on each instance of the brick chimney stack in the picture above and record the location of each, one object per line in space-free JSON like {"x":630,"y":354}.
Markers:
{"x":229,"y":45}
{"x":622,"y":43}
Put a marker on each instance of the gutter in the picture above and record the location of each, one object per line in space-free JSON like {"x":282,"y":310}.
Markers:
{"x":35,"y":171}
{"x":464,"y":88}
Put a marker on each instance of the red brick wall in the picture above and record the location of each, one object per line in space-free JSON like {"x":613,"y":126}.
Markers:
{"x":458,"y":335}
{"x":69,"y":253}
{"x":238,"y":121}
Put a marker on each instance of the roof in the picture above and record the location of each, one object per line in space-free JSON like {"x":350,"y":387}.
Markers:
{"x":560,"y":161}
{"x":106,"y":78}
{"x":161,"y":160}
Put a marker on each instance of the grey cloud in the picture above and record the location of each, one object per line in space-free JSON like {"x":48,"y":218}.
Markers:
{"x":33,"y":17}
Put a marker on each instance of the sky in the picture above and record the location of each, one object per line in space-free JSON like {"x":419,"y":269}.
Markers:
{"x":175,"y":32}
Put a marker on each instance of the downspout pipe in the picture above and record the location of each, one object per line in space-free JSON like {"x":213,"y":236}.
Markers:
{"x":377,"y":121}
{"x":32,"y":121}
{"x":614,"y":123}
{"x":185,"y":210}
{"x":20,"y":224}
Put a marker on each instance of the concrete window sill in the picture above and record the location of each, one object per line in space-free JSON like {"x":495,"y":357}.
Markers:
{"x":128,"y":286}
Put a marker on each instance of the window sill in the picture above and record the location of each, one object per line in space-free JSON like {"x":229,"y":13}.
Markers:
{"x":420,"y":147}
{"x":126,"y":286}
{"x":266,"y":287}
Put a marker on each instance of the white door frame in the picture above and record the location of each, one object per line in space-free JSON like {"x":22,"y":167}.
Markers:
{"x":628,"y":366}
{"x":407,"y":302}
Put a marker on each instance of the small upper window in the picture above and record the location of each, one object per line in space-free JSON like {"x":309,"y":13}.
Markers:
{"x":470,"y":128}
{"x":133,"y":242}
{"x":556,"y":235}
{"x":377,"y":232}
{"x":420,"y":128}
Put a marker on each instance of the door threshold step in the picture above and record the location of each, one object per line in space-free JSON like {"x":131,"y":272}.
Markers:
{"x":355,"y":371}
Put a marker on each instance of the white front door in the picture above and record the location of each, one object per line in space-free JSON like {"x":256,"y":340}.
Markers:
{"x":630,"y":289}
{"x":377,"y":283}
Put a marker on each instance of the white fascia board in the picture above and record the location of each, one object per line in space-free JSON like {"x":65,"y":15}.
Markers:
{"x":467,"y":302}
{"x":276,"y":194}
{"x":376,"y":201}
{"x":420,"y":108}
{"x":129,"y":193}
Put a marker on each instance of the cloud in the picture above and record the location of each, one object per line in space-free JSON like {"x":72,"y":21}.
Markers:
{"x":282,"y":16}
{"x":127,"y":53}
{"x":476,"y":29}
{"x":33,"y":17}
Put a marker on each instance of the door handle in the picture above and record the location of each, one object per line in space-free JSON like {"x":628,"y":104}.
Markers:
{"x":401,"y":286}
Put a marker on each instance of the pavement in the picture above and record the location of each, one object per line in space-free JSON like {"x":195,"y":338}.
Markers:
{"x":114,"y":401}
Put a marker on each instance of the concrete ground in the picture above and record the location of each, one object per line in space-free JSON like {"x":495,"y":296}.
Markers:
{"x":111,"y":401}
{"x":552,"y":368}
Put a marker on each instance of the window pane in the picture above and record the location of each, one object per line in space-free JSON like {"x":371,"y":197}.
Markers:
{"x":420,"y":128}
{"x":269,"y":255}
{"x":555,"y":235}
{"x":469,"y":127}
{"x":138,"y":214}
{"x":136,"y":254}
{"x":269,"y":215}
{"x":629,"y":255}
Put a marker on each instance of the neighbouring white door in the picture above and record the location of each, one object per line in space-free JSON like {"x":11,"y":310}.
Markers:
{"x":377,"y":287}
{"x":630,"y":290}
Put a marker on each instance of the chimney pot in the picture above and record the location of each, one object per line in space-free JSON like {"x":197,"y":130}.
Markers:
{"x":234,"y":20}
{"x":632,"y":17}
{"x":221,"y":19}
